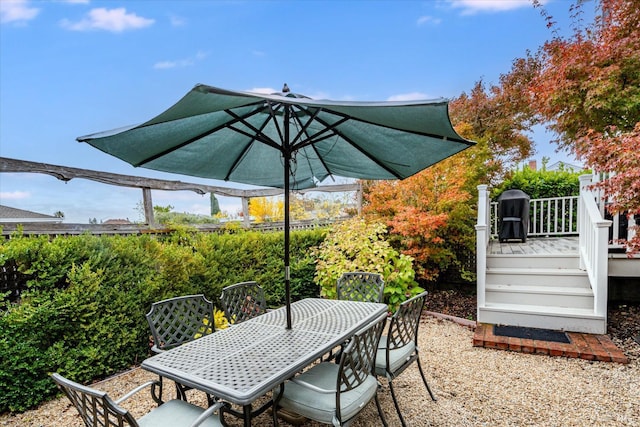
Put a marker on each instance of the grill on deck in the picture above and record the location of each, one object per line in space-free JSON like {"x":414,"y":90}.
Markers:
{"x":513,"y":215}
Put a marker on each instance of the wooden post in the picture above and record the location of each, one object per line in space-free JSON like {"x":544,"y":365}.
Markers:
{"x":359,"y":198}
{"x":245,"y":212}
{"x":148,"y":207}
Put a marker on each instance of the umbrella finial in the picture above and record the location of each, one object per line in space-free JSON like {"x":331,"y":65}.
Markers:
{"x":285,"y":89}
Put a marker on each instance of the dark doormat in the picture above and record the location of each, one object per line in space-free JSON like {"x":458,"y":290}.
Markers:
{"x":531,"y":333}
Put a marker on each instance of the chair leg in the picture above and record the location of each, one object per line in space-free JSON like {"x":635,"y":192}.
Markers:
{"x":395,"y":403}
{"x":384,"y":421}
{"x":181,"y":392}
{"x":156,"y":392}
{"x":424,"y":380}
{"x":274,"y":408}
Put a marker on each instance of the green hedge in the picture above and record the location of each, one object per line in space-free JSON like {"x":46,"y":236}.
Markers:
{"x":83,"y":312}
{"x":540,"y":184}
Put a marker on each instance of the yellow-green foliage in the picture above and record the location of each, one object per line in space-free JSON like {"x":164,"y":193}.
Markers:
{"x":219,"y":322}
{"x":359,"y":245}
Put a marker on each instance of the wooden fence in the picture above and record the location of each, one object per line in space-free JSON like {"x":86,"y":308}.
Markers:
{"x":62,"y":229}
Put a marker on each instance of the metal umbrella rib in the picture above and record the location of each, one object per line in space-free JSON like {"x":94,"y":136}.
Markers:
{"x":336,"y":132}
{"x":191,"y":140}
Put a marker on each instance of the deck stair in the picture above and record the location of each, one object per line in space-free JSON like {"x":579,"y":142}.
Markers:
{"x":540,"y":291}
{"x":558,"y":277}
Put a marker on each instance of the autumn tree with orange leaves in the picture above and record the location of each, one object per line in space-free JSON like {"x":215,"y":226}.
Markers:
{"x":587,"y":88}
{"x":431,"y":215}
{"x":419,"y":212}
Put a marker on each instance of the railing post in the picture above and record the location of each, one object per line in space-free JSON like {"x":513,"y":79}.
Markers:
{"x":583,"y":232}
{"x":632,"y":227}
{"x":482,"y":240}
{"x":601,"y":267}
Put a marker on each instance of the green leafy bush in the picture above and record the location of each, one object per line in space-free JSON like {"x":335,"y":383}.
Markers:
{"x":83,"y":313}
{"x":540,"y":184}
{"x":358,"y":245}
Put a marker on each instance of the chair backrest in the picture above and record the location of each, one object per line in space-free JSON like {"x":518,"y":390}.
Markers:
{"x":178,"y":320}
{"x":358,"y":360}
{"x":95,"y":407}
{"x":361,"y":286}
{"x":243,"y":301}
{"x":403,"y":328}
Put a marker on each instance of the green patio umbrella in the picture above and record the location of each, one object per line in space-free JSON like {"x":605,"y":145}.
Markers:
{"x":286,"y":141}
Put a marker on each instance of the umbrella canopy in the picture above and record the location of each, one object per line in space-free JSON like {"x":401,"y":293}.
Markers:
{"x":286,"y":140}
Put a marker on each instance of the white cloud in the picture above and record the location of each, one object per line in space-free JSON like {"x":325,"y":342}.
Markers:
{"x":470,"y":7}
{"x":428,"y":20}
{"x":75,"y":1}
{"x":181,"y":63}
{"x":114,"y":20}
{"x":412,"y":96}
{"x":17,"y":11}
{"x":14,"y":195}
{"x":165,"y":65}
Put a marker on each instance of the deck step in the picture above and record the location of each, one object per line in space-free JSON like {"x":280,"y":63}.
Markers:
{"x":542,"y":316}
{"x":533,"y":260}
{"x":537,"y":276}
{"x":557,"y":296}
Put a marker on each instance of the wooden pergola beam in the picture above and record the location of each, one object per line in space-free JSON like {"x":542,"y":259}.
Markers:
{"x":66,"y":173}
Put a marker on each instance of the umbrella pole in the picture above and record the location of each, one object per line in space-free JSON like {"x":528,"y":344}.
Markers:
{"x":287,"y":283}
{"x":287,"y":167}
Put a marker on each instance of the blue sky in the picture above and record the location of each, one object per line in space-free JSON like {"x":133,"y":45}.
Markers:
{"x":70,"y":68}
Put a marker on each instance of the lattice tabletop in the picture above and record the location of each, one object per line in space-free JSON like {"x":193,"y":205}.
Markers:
{"x":245,"y":361}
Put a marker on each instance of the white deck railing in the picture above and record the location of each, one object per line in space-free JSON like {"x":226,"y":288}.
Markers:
{"x":593,"y":234}
{"x":553,"y":216}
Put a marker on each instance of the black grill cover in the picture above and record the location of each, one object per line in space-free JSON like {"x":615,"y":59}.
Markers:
{"x":513,"y":215}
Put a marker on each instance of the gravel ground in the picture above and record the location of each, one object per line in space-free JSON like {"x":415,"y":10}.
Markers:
{"x":474,"y":386}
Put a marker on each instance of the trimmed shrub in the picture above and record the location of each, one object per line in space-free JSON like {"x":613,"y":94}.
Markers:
{"x":83,"y":313}
{"x":541,"y":184}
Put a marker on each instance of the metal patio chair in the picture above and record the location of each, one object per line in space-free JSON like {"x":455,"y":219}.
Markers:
{"x":336,"y":393}
{"x":399,"y":348}
{"x":358,"y":286}
{"x":243,"y":301}
{"x":97,"y":409}
{"x":178,"y":320}
{"x":361,"y":286}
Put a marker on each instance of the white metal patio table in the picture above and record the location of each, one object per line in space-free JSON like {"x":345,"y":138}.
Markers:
{"x":246,"y":361}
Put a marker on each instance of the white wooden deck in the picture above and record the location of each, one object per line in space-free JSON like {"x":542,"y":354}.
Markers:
{"x":536,"y":246}
{"x":550,"y":281}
